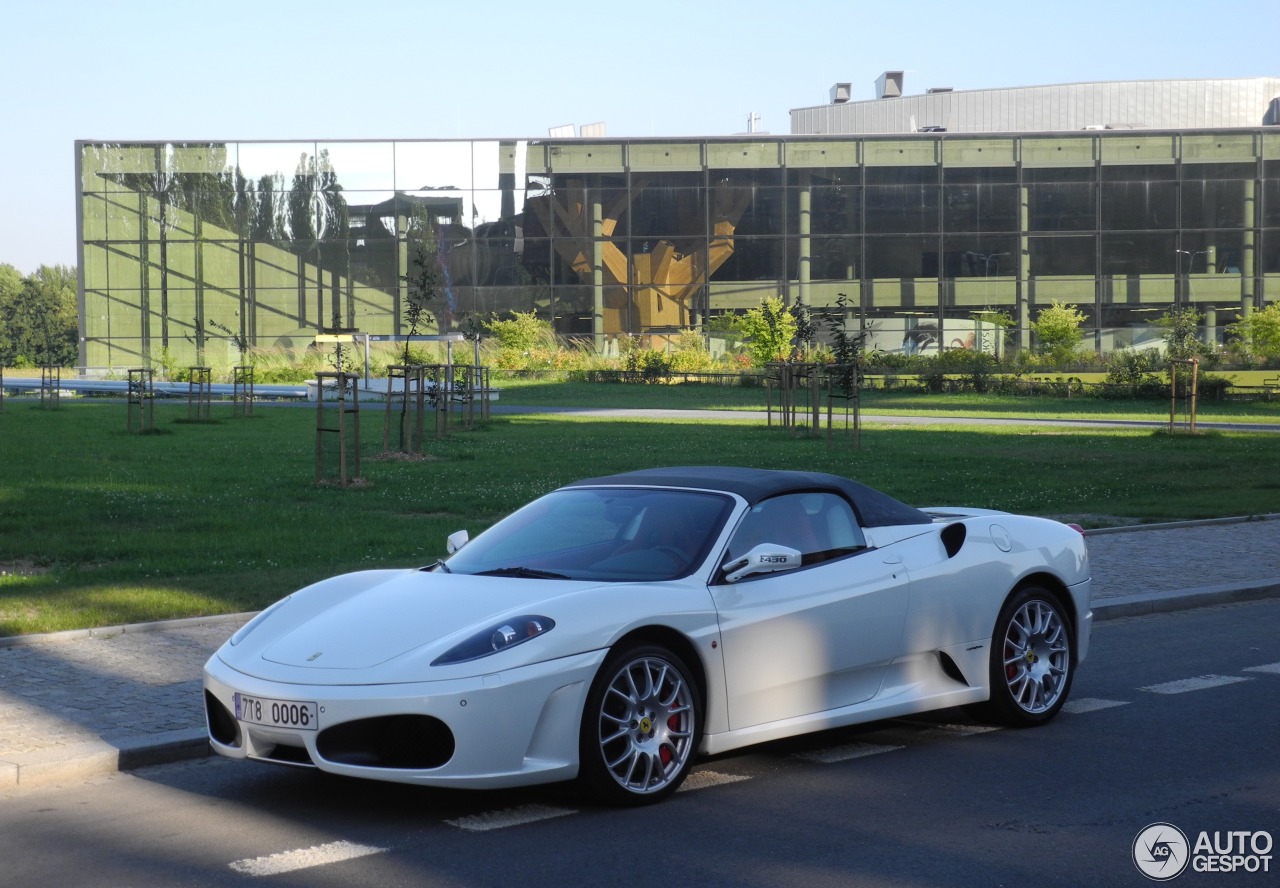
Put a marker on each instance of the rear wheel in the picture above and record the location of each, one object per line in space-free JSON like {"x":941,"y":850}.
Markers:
{"x":640,"y":727}
{"x":1033,"y":659}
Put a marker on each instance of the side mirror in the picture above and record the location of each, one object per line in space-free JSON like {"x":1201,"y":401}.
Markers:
{"x":764,"y":558}
{"x":456,"y":541}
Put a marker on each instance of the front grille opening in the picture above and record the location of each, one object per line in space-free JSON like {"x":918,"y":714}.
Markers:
{"x":222,"y":724}
{"x":411,"y":742}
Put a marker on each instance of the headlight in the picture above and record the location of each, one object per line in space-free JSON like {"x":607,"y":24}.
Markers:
{"x":248,"y":627}
{"x":498,"y":637}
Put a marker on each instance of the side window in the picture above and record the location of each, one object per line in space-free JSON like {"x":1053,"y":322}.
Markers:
{"x":819,"y":525}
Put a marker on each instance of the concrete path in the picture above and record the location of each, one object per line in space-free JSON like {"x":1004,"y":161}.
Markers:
{"x":79,"y":703}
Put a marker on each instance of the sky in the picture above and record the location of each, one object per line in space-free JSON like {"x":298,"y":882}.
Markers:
{"x":399,"y":69}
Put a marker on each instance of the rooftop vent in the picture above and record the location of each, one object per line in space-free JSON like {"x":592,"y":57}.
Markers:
{"x":939,"y":89}
{"x":889,"y":85}
{"x":1272,"y":117}
{"x":841,"y":93}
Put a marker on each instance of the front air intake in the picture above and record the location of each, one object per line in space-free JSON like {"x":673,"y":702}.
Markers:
{"x":408,"y":742}
{"x":953,"y":538}
{"x":222,"y":724}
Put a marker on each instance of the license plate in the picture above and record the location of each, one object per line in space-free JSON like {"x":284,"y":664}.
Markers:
{"x":276,"y":713}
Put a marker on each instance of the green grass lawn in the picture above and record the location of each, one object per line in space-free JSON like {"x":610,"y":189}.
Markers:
{"x":99,"y":526}
{"x":895,"y":402}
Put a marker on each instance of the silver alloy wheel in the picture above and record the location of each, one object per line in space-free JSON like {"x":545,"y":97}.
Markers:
{"x":646,"y":725}
{"x":1037,"y":656}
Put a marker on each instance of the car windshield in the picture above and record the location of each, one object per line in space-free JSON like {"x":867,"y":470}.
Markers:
{"x":604,"y":534}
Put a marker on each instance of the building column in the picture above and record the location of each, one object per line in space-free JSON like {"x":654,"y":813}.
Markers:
{"x":402,"y":270}
{"x":852,"y":259}
{"x":1248,"y":258}
{"x":1022,"y":309}
{"x":805,"y":258}
{"x":597,"y":274}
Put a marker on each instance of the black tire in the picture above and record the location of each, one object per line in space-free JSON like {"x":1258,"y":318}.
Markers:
{"x":641,"y":726}
{"x":1033,"y":659}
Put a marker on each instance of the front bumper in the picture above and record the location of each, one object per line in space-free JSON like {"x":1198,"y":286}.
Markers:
{"x":503,"y":729}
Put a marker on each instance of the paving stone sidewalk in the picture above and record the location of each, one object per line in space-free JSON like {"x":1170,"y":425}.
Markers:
{"x":79,"y":703}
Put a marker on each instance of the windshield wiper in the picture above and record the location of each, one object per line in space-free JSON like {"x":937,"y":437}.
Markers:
{"x":439,"y":565}
{"x":530,"y":572}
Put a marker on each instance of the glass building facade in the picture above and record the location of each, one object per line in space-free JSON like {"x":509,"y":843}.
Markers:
{"x":186,"y":247}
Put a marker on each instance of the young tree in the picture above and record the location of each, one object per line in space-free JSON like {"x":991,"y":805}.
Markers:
{"x":806,"y":335}
{"x":769,"y":331}
{"x":1181,"y":337}
{"x":1260,"y":331}
{"x":846,"y":349}
{"x":423,"y":289}
{"x":1058,"y":330}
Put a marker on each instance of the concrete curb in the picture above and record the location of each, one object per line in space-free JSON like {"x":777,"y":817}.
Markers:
{"x":97,"y":758}
{"x":1184,"y":599}
{"x":1172,"y":525}
{"x":109,"y":631}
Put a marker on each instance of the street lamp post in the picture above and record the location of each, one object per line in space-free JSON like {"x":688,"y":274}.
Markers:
{"x":986,"y":259}
{"x":1191,"y":261}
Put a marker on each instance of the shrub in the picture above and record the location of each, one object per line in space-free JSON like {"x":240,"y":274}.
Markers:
{"x":977,"y":369}
{"x":1213,"y":386}
{"x":1058,"y":330}
{"x":647,"y":364}
{"x":1259,"y":332}
{"x":1127,"y":367}
{"x":770,"y":331}
{"x":689,"y":354}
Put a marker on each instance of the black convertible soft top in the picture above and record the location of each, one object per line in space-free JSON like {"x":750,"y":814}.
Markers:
{"x":873,"y":508}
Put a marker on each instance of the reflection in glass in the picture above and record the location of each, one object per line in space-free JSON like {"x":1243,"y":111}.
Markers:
{"x":1074,"y":255}
{"x":980,"y":207}
{"x":1136,"y":206}
{"x":1213,"y":203}
{"x":1136,"y":253}
{"x":830,"y":258}
{"x":1061,"y":206}
{"x":832,"y":210}
{"x":902,"y":256}
{"x":1270,"y":252}
{"x":970,"y":256}
{"x":298,"y":237}
{"x":362,"y":166}
{"x":908,"y":209}
{"x":264,"y":163}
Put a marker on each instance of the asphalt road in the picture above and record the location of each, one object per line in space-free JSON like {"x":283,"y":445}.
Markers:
{"x":1173,"y":720}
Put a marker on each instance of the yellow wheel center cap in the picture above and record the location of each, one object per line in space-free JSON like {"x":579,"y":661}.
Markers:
{"x":645,"y":725}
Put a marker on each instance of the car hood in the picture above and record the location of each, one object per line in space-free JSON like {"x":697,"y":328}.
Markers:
{"x":361,"y":621}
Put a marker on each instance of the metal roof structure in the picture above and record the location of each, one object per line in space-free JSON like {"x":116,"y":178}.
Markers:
{"x":1130,"y":104}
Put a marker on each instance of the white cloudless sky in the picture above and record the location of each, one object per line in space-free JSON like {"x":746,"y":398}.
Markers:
{"x":384,"y":69}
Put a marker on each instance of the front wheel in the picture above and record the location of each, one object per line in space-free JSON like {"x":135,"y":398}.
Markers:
{"x":640,"y":727}
{"x":1033,"y":659}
